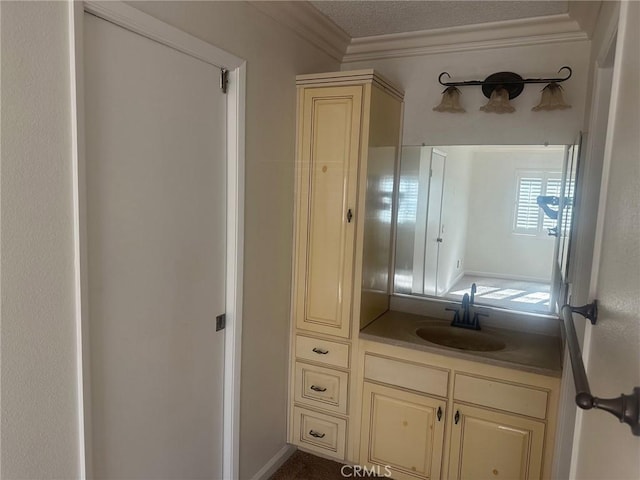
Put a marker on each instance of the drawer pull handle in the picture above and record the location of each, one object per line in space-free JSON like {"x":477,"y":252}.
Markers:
{"x":349,"y":216}
{"x":320,"y":351}
{"x":313,"y":433}
{"x":439,"y":414}
{"x":456,"y":419}
{"x":318,"y":389}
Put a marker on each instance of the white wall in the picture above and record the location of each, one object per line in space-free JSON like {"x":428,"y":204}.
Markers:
{"x":39,"y":409}
{"x":606,"y":448}
{"x":418,"y":75}
{"x":493,"y":248}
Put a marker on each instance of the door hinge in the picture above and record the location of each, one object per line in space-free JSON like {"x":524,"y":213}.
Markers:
{"x":224,"y":79}
{"x":221,"y":322}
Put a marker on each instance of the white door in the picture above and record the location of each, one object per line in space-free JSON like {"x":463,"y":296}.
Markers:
{"x":155,"y":173}
{"x":434,"y":221}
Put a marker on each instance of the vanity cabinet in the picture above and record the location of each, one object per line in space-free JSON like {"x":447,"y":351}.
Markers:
{"x":348,"y":143}
{"x":428,"y":416}
{"x":403,"y":431}
{"x":489,"y":444}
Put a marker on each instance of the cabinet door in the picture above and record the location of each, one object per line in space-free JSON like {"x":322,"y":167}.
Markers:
{"x":402,"y":431}
{"x":329,"y":141}
{"x":490,"y":445}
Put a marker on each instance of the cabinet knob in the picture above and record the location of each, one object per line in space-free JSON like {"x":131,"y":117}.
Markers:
{"x":313,"y":433}
{"x":456,"y":419}
{"x":439,"y":414}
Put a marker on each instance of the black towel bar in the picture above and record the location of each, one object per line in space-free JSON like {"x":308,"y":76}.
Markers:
{"x":625,"y":407}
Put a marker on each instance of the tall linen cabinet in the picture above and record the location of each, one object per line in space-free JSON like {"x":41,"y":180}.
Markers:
{"x":348,"y":142}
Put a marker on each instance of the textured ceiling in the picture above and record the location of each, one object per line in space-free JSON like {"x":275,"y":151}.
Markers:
{"x":367,"y":18}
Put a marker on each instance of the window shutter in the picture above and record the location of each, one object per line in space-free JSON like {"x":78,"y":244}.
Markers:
{"x":527,"y":210}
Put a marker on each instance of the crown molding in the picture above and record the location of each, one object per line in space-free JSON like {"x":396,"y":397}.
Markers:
{"x":511,"y":33}
{"x":312,"y":25}
{"x":308,"y":22}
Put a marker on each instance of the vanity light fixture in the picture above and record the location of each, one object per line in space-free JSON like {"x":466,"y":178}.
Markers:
{"x":450,"y":101}
{"x":498,"y":102}
{"x":500,"y":88}
{"x":552,"y":98}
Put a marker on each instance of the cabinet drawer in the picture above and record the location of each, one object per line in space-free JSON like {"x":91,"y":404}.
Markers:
{"x":319,"y":432}
{"x":500,"y":395}
{"x":321,"y":387}
{"x":324,"y":351}
{"x":413,"y":376}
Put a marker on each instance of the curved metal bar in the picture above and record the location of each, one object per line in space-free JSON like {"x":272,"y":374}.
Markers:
{"x":514,"y":82}
{"x":625,"y":408}
{"x":551,"y":80}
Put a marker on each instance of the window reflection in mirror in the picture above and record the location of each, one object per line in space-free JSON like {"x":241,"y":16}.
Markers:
{"x":497,"y":216}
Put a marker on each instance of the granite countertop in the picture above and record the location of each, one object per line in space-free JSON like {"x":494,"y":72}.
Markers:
{"x":530,"y":352}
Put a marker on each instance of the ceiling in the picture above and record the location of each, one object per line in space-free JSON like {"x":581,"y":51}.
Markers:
{"x":370,"y":18}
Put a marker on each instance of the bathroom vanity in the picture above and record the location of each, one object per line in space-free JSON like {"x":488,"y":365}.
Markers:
{"x":433,"y":411}
{"x":370,"y":382}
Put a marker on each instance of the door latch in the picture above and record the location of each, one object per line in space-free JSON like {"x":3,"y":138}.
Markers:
{"x":221,"y":322}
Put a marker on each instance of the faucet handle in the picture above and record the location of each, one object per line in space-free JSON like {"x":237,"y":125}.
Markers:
{"x":476,"y":319}
{"x":456,"y":314}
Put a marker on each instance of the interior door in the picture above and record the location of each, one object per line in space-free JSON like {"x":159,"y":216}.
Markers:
{"x":155,"y":176}
{"x":434,"y":222}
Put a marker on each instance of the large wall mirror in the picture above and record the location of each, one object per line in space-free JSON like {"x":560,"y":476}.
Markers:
{"x":495,"y":216}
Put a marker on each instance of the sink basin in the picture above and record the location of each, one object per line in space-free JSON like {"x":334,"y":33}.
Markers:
{"x":461,"y":338}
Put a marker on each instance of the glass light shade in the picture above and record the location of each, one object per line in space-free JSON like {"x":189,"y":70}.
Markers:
{"x":551,"y":98}
{"x":450,"y":101}
{"x":498,"y":102}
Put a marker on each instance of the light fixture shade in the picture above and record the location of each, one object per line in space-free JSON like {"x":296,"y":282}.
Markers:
{"x":498,"y":102}
{"x":551,"y":98}
{"x":450,"y":101}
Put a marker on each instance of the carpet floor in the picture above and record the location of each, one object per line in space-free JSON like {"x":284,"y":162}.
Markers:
{"x":304,"y":466}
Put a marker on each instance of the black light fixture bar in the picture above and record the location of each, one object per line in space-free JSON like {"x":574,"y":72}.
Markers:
{"x":512,"y":82}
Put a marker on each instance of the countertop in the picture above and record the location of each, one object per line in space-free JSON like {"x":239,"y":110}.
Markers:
{"x":530,"y":352}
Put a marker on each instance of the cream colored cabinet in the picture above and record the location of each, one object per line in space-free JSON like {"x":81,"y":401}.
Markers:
{"x":402,"y":432}
{"x":348,"y":142}
{"x":427,"y":416}
{"x":348,"y":146}
{"x":488,"y":444}
{"x":330,"y":141}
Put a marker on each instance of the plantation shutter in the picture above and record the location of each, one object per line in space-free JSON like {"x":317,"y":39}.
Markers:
{"x":527,"y":210}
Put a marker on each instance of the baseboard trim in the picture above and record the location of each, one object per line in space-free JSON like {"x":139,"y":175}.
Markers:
{"x":276,"y":462}
{"x":506,"y":276}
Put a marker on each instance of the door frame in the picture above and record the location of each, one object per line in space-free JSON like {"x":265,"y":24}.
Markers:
{"x":138,"y":22}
